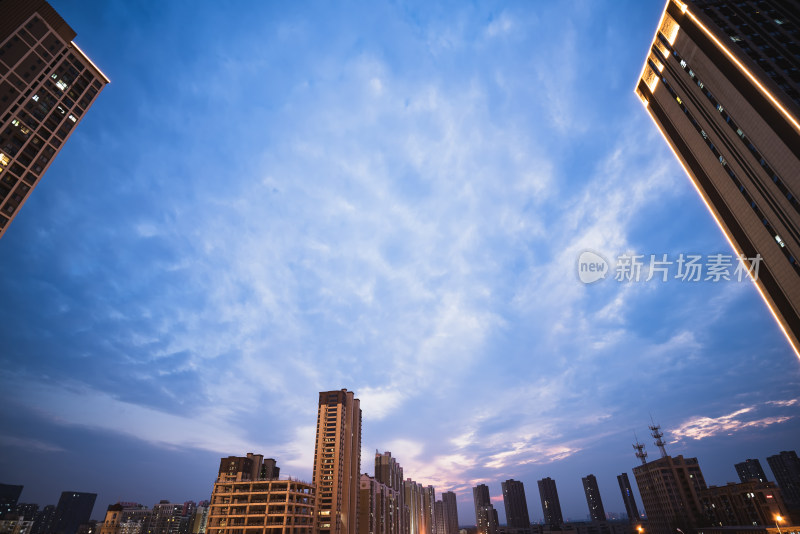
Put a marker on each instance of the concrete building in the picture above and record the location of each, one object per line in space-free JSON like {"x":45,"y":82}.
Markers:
{"x":669,"y":488}
{"x":750,"y":470}
{"x":746,"y":503}
{"x":241,"y":502}
{"x":450,"y":512}
{"x":593,"y":500}
{"x":377,"y":505}
{"x":74,"y":509}
{"x":47,"y":84}
{"x":337,"y":463}
{"x":721,"y":83}
{"x":390,"y":473}
{"x":516,"y":505}
{"x":786,"y":468}
{"x":627,"y":497}
{"x":551,"y":506}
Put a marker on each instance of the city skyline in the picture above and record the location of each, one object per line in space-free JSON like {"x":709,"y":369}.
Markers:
{"x":386,"y":198}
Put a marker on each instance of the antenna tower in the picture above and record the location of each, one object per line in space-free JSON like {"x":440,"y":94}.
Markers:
{"x":640,"y":452}
{"x":655,"y":431}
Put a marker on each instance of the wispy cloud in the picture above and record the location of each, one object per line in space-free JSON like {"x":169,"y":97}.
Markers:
{"x":702,"y":427}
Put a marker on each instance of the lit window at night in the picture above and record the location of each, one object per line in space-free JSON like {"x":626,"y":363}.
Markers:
{"x":35,"y":98}
{"x":61,"y":85}
{"x":4,"y":159}
{"x":72,"y":118}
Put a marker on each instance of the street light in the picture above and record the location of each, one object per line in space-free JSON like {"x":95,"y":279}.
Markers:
{"x":640,"y":529}
{"x":778,"y":520}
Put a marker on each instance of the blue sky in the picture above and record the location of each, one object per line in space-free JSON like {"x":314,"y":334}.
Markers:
{"x":272,"y":200}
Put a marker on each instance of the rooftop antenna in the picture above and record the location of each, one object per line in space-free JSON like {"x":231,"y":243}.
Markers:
{"x":640,"y":452}
{"x":655,"y":431}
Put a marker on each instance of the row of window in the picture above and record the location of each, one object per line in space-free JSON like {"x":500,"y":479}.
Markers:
{"x":733,"y":176}
{"x":781,"y":184}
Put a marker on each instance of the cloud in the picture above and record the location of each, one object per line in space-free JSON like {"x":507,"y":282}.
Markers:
{"x":28,"y":443}
{"x":702,"y":427}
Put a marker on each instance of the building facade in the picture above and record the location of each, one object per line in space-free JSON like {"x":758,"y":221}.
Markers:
{"x":750,"y":470}
{"x":786,"y":468}
{"x":74,"y":509}
{"x":450,"y":512}
{"x":593,"y":500}
{"x":551,"y":506}
{"x":669,"y":487}
{"x":337,"y":463}
{"x":47,"y":84}
{"x":245,"y":502}
{"x":746,"y":503}
{"x":721,"y":83}
{"x":627,"y":497}
{"x":516,"y":505}
{"x":390,"y":473}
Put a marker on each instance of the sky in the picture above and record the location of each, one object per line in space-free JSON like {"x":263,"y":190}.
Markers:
{"x":275,"y":199}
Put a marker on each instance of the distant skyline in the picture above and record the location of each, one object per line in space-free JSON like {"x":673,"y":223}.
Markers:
{"x":278,"y":200}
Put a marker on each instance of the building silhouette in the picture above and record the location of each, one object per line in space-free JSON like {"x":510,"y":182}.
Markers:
{"x":74,"y":509}
{"x":9,"y":496}
{"x":516,"y":505}
{"x":721,"y":83}
{"x":750,"y":470}
{"x":337,"y":463}
{"x":485,"y":514}
{"x":450,"y":512}
{"x":627,"y":497}
{"x":551,"y":506}
{"x":786,"y":468}
{"x":669,"y":488}
{"x":593,"y":500}
{"x":746,"y":503}
{"x":47,"y":84}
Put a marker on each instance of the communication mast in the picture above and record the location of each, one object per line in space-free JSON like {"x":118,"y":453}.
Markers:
{"x":640,"y":452}
{"x":655,"y":431}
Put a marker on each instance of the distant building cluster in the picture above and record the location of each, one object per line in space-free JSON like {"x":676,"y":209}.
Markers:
{"x":250,"y":497}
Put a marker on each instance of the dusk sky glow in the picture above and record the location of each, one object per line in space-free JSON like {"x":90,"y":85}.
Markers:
{"x":270,"y":200}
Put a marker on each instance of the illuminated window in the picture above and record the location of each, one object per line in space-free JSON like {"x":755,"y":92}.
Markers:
{"x":35,"y":98}
{"x":61,"y":85}
{"x":72,"y":118}
{"x":4,"y":159}
{"x":778,"y":21}
{"x":735,"y":38}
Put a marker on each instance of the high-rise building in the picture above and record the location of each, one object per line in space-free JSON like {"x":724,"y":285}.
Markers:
{"x":450,"y":512}
{"x":721,"y":81}
{"x":627,"y":497}
{"x":165,"y":518}
{"x":413,"y":500}
{"x":485,"y":514}
{"x":9,"y":496}
{"x":750,"y":470}
{"x":551,"y":506}
{"x":516,"y":505}
{"x":337,"y":463}
{"x":593,"y":500}
{"x":47,"y":85}
{"x":439,"y":521}
{"x":669,"y":488}
{"x":786,"y":469}
{"x":246,"y":501}
{"x":375,"y":506}
{"x":747,"y":503}
{"x":45,"y":520}
{"x":428,"y":504}
{"x":74,"y":509}
{"x":390,"y":473}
